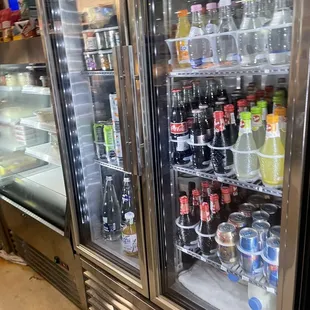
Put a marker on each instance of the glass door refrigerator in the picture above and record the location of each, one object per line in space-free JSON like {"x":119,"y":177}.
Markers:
{"x":227,"y":99}
{"x":93,"y":69}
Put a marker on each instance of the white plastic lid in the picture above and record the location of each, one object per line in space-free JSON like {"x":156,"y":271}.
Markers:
{"x":109,"y":178}
{"x":224,"y":3}
{"x":129,"y":215}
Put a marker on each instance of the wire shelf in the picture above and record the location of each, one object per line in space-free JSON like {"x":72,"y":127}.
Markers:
{"x":115,"y":165}
{"x":98,"y":73}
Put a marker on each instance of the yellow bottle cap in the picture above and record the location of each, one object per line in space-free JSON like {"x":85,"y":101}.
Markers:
{"x":280,"y":111}
{"x":182,"y":13}
{"x":272,"y":119}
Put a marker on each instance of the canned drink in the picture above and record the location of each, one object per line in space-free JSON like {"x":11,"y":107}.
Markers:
{"x":249,"y":240}
{"x":99,"y":139}
{"x":272,"y":249}
{"x":107,"y":40}
{"x":275,"y":231}
{"x":238,"y":220}
{"x":116,"y":125}
{"x":226,"y":234}
{"x":91,"y":61}
{"x":247,"y":209}
{"x":262,"y":228}
{"x":250,"y":263}
{"x":117,"y":39}
{"x":228,"y":254}
{"x":260,"y":215}
{"x":105,"y":61}
{"x":271,"y":209}
{"x":109,"y":142}
{"x":90,"y":42}
{"x":112,"y":38}
{"x":271,"y":273}
{"x":100,"y":40}
{"x":257,"y":200}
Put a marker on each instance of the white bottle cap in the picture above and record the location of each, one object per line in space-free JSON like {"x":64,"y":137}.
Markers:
{"x":129,"y":215}
{"x":109,"y":178}
{"x":126,"y":179}
{"x":224,"y":3}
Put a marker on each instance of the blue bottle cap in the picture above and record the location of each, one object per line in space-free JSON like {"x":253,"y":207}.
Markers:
{"x":255,"y":304}
{"x":233,"y":278}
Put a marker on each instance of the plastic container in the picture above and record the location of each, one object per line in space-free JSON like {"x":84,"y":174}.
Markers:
{"x":260,"y":299}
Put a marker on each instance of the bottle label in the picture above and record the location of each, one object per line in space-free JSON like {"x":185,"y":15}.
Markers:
{"x":245,"y":127}
{"x":182,"y":146}
{"x":190,"y":121}
{"x":211,"y":28}
{"x":130,"y":243}
{"x":219,"y":125}
{"x":108,"y":227}
{"x":125,"y":198}
{"x":256,"y":122}
{"x":215,"y":206}
{"x":178,"y":128}
{"x":182,"y":50}
{"x":195,"y":31}
{"x":226,"y":198}
{"x":196,"y":63}
{"x":272,"y":131}
{"x":232,"y":118}
{"x":198,"y":139}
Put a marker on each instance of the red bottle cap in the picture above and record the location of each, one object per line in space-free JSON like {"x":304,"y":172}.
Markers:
{"x":205,"y":184}
{"x":214,"y":197}
{"x":260,"y":93}
{"x":195,"y":192}
{"x":251,"y":98}
{"x":269,"y":88}
{"x":218,"y":114}
{"x":183,"y":199}
{"x":242,"y":103}
{"x":229,"y":108}
{"x":176,"y":90}
{"x":225,"y":190}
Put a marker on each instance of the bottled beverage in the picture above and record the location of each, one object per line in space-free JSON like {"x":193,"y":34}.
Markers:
{"x":263,"y":105}
{"x":221,"y":90}
{"x":260,"y":95}
{"x":178,"y":124}
{"x":237,"y":9}
{"x":230,"y":124}
{"x":251,"y":99}
{"x":207,"y":117}
{"x":199,"y":137}
{"x":182,"y":154}
{"x":182,"y":32}
{"x":265,"y":10}
{"x":282,"y":86}
{"x":195,"y":205}
{"x":212,"y":18}
{"x":187,"y":102}
{"x":211,"y":94}
{"x":269,"y":90}
{"x":206,"y":231}
{"x":271,"y":154}
{"x":226,"y":44}
{"x":281,"y":113}
{"x":257,"y":127}
{"x":197,"y":47}
{"x":221,"y":155}
{"x":245,"y":157}
{"x":111,"y":213}
{"x":205,"y":191}
{"x":129,"y":235}
{"x":126,"y":203}
{"x":197,"y":98}
{"x":186,"y":225}
{"x":226,"y":203}
{"x":235,"y":198}
{"x":215,"y":209}
{"x":251,"y":44}
{"x":235,"y":96}
{"x":279,"y":39}
{"x":242,"y":107}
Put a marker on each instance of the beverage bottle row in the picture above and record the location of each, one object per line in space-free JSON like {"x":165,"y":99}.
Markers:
{"x":119,"y":218}
{"x":255,"y":48}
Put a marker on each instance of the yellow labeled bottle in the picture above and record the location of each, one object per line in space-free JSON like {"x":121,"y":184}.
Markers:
{"x":271,"y":154}
{"x":129,"y":235}
{"x":181,"y":46}
{"x":281,"y":112}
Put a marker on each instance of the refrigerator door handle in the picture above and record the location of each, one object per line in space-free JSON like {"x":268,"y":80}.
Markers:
{"x":133,"y":109}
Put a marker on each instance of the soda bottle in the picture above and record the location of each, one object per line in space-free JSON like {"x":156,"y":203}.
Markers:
{"x":199,"y":137}
{"x":277,"y":101}
{"x":219,"y":104}
{"x":226,"y":203}
{"x":197,"y":47}
{"x":196,"y":100}
{"x":205,"y":191}
{"x":187,"y":101}
{"x":208,"y":120}
{"x":251,"y":44}
{"x":182,"y":155}
{"x":263,"y":105}
{"x":221,"y":155}
{"x":111,"y":213}
{"x":186,"y":225}
{"x":279,"y":39}
{"x":269,"y":90}
{"x":211,"y":94}
{"x":230,"y":124}
{"x":265,"y":10}
{"x":242,"y":107}
{"x":260,"y":95}
{"x":235,"y":96}
{"x":206,"y":231}
{"x":196,"y":198}
{"x":126,"y":203}
{"x":257,"y":127}
{"x":212,"y":18}
{"x":216,"y":188}
{"x":235,"y":198}
{"x":237,"y":12}
{"x":215,"y":209}
{"x":282,"y":86}
{"x":245,"y":157}
{"x":182,"y":32}
{"x":178,"y":124}
{"x":271,"y":155}
{"x":221,"y":90}
{"x":226,"y":44}
{"x":129,"y":235}
{"x":281,"y":113}
{"x":251,"y":99}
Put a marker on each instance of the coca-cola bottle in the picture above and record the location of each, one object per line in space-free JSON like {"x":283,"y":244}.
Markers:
{"x":230,"y":124}
{"x":196,"y":197}
{"x":178,"y":124}
{"x":206,"y":231}
{"x":226,"y":203}
{"x":235,"y":198}
{"x":187,"y":99}
{"x":221,"y":90}
{"x":216,"y":188}
{"x":215,"y":209}
{"x":196,"y":101}
{"x":199,"y":138}
{"x":182,"y":155}
{"x":221,"y":155}
{"x":211,"y":94}
{"x":205,"y":191}
{"x":186,"y":231}
{"x":208,"y":119}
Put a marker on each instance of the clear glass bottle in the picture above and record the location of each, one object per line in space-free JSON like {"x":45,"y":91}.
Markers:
{"x":212,"y":18}
{"x":265,"y":10}
{"x":126,"y":203}
{"x":226,"y":44}
{"x":111,"y":213}
{"x":251,"y":44}
{"x":129,"y":235}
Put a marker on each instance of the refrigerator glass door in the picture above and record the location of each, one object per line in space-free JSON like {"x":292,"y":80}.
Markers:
{"x":219,"y":170}
{"x":90,"y":45}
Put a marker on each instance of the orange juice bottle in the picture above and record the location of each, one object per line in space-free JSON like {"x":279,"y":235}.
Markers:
{"x":129,"y":235}
{"x":181,"y":46}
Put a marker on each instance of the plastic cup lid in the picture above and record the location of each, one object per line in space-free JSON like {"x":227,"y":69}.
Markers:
{"x":126,"y":179}
{"x":211,"y":6}
{"x":196,"y":8}
{"x":129,"y":215}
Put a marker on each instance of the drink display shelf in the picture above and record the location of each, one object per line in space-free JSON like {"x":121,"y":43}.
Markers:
{"x":33,"y":122}
{"x":45,"y":152}
{"x":255,"y":186}
{"x":235,"y":270}
{"x":112,"y":165}
{"x":98,"y":73}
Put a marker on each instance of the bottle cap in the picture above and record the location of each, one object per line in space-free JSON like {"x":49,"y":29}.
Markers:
{"x":262,"y":104}
{"x":182,"y":13}
{"x":242,"y":103}
{"x":256,"y":110}
{"x":280,"y":111}
{"x":224,"y":3}
{"x":176,"y":90}
{"x":229,"y":108}
{"x":272,"y":119}
{"x":183,"y":199}
{"x":205,"y":184}
{"x":204,"y":206}
{"x":196,"y":8}
{"x":251,"y":98}
{"x":196,"y":111}
{"x":255,"y":304}
{"x":195,"y":192}
{"x":225,"y":190}
{"x":218,"y":114}
{"x":109,"y":178}
{"x":129,"y":215}
{"x":211,"y":6}
{"x":126,"y":179}
{"x":245,"y":115}
{"x":260,"y":93}
{"x":269,"y":88}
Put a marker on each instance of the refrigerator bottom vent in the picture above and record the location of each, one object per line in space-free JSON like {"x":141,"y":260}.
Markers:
{"x":53,"y":273}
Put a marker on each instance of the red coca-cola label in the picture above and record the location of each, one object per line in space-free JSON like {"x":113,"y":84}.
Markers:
{"x":190,"y":121}
{"x":219,"y":125}
{"x":205,"y":211}
{"x":178,"y":128}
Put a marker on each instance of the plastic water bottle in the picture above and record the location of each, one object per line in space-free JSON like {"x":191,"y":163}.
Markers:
{"x":111,"y":213}
{"x":226,"y":44}
{"x":265,"y":10}
{"x":260,"y":299}
{"x":257,"y":126}
{"x":279,"y":39}
{"x":197,"y":47}
{"x":212,"y":18}
{"x":245,"y":157}
{"x":251,"y":44}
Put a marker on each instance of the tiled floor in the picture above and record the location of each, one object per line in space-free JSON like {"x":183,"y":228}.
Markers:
{"x":22,"y":288}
